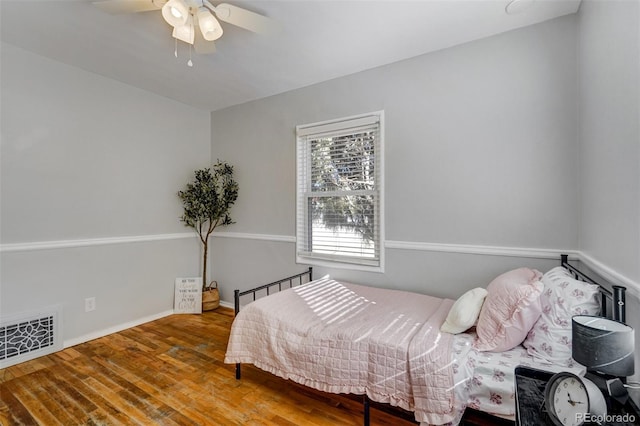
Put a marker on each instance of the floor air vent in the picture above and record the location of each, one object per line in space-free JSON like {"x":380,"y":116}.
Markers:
{"x":27,"y":336}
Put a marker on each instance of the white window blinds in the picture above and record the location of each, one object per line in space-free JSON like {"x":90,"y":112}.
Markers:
{"x":339,"y":191}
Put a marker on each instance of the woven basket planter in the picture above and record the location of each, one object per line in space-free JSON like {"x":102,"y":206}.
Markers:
{"x":211,"y":297}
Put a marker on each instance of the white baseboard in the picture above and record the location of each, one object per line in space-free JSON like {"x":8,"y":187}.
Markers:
{"x":227,"y":304}
{"x":116,"y":328}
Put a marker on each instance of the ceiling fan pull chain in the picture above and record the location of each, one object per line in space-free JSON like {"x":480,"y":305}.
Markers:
{"x":175,"y":51}
{"x":190,"y":62}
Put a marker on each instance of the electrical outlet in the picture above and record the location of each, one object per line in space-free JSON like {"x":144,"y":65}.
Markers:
{"x":89,"y":304}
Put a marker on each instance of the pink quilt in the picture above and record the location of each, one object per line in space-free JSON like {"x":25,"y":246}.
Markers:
{"x":346,"y":338}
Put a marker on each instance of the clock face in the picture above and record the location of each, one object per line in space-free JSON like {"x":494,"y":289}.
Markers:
{"x":567,"y":399}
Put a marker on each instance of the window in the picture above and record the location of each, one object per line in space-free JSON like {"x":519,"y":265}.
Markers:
{"x":339,"y":200}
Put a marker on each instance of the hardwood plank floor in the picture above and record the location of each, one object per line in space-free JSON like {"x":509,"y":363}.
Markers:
{"x":166,"y":372}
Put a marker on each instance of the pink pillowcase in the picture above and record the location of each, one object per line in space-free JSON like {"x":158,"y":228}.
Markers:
{"x":509,"y":311}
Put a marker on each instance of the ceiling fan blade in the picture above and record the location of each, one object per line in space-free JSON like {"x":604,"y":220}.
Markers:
{"x":116,"y":7}
{"x":245,"y":19}
{"x":202,"y":46}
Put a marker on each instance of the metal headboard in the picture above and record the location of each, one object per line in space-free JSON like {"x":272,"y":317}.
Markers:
{"x":289,"y":281}
{"x":616,"y":295}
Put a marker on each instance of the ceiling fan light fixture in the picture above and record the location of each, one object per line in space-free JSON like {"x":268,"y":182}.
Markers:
{"x":185,"y":32}
{"x":175,"y":12}
{"x":209,"y":25}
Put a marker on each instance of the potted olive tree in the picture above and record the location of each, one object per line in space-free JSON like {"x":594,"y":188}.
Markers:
{"x":207,"y":201}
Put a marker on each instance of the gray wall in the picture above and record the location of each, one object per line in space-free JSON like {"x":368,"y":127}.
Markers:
{"x":523,"y":142}
{"x":481,"y":171}
{"x":480,"y":149}
{"x":609,"y":102}
{"x":609,"y":132}
{"x":90,"y":169}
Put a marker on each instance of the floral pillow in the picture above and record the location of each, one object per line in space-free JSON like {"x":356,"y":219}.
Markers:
{"x":562,"y":298}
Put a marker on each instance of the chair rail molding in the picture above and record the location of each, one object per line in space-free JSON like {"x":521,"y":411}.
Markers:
{"x":64,"y":244}
{"x":536,"y":253}
{"x":486,"y":250}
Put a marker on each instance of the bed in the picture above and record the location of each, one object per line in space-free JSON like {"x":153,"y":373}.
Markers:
{"x":387,"y":345}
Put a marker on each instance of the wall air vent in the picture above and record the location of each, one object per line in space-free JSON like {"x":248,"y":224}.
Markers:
{"x":29,"y":335}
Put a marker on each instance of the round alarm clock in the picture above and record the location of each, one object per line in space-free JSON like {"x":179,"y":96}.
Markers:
{"x":571,"y":400}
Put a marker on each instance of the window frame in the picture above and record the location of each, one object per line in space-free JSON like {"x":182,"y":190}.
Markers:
{"x":337,"y":126}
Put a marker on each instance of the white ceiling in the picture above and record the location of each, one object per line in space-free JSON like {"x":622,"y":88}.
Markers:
{"x":320,"y":40}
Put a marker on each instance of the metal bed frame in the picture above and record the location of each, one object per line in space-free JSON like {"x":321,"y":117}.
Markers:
{"x":614,"y":298}
{"x":237,"y":294}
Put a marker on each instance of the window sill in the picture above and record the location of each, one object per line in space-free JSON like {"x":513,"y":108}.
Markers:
{"x":339,"y":265}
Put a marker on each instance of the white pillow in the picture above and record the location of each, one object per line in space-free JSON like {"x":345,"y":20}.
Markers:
{"x":465,"y":311}
{"x":563,"y":297}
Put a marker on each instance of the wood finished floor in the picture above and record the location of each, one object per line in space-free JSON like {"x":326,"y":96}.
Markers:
{"x":166,"y":372}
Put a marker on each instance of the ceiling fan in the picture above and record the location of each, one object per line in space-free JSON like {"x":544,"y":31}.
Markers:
{"x":185,"y":15}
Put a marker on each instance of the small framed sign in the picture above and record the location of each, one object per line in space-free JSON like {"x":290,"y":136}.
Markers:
{"x":188,"y":296}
